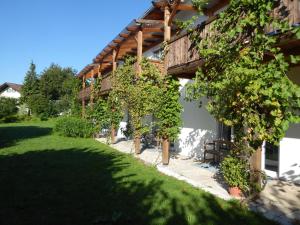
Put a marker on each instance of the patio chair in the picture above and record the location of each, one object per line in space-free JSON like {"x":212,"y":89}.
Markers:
{"x":224,"y":148}
{"x":218,"y":148}
{"x":210,"y":148}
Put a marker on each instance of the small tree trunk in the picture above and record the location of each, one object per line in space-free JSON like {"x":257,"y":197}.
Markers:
{"x":113,"y":131}
{"x":165,"y":151}
{"x":255,"y":163}
{"x":137,"y":144}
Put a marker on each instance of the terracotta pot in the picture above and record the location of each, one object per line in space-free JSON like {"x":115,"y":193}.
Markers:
{"x":235,"y":192}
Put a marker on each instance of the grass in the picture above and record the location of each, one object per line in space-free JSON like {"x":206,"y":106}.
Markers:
{"x":50,"y":180}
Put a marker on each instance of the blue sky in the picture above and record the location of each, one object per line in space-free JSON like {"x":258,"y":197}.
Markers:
{"x":66,"y":32}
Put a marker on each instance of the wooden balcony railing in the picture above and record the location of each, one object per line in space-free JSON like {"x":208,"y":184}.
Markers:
{"x":106,"y":84}
{"x":159,"y":64}
{"x":181,"y":51}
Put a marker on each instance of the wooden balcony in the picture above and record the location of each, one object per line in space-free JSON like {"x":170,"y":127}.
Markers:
{"x":183,"y":57}
{"x":106,"y":84}
{"x":159,"y":64}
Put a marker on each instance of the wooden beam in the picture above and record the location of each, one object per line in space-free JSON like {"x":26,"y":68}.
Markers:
{"x":139,"y":51}
{"x":82,"y":97}
{"x":151,"y":35}
{"x":144,"y":21}
{"x":112,"y":46}
{"x":117,"y":41}
{"x":186,"y":7}
{"x":174,"y":11}
{"x":92,"y":93}
{"x":132,"y":28}
{"x":167,"y":34}
{"x":124,"y":35}
{"x":114,"y":62}
{"x":167,"y":37}
{"x":153,"y":29}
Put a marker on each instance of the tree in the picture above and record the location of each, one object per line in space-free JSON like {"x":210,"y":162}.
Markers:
{"x":30,"y":87}
{"x":8,"y":107}
{"x":57,"y":87}
{"x":54,"y":81}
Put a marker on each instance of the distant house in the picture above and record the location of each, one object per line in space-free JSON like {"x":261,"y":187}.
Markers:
{"x":10,"y":90}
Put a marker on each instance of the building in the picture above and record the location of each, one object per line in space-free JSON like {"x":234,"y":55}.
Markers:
{"x":144,"y":37}
{"x":10,"y":90}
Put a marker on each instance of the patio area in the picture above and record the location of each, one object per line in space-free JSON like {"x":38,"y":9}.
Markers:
{"x":279,"y":201}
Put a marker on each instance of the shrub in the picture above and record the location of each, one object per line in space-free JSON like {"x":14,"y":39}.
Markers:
{"x":235,"y":172}
{"x":8,"y":107}
{"x":74,"y":127}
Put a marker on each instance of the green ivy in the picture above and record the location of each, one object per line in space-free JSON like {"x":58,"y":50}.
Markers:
{"x":137,"y":94}
{"x":169,"y":113}
{"x":242,"y":84}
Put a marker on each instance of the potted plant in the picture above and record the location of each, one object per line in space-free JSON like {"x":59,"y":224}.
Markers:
{"x":236,"y":175}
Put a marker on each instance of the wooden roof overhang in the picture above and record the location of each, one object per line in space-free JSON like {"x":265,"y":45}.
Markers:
{"x":152,"y":25}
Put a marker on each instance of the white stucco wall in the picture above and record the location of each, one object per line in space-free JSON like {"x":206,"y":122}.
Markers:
{"x":198,"y":126}
{"x":122,"y":126}
{"x":289,"y":148}
{"x":10,"y":93}
{"x":289,"y":154}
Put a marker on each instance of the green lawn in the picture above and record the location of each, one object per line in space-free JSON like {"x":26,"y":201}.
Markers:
{"x":47,"y":179}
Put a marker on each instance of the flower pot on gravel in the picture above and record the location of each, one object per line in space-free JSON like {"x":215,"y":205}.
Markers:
{"x":235,"y":192}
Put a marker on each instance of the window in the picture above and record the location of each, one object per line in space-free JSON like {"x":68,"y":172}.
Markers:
{"x":157,"y":54}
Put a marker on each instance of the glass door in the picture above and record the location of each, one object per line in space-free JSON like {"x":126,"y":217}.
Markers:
{"x":271,"y":163}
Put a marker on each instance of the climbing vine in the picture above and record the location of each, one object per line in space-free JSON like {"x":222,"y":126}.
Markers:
{"x":137,"y":93}
{"x":245,"y":72}
{"x":169,"y":114}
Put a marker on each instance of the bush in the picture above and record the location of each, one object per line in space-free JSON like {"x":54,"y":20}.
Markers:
{"x":8,"y":107}
{"x":235,"y":172}
{"x":74,"y":127}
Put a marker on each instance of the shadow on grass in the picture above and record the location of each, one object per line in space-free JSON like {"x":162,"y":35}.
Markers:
{"x":87,"y":186}
{"x":10,"y":135}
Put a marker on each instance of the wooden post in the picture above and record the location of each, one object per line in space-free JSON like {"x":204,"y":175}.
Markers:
{"x":114,"y":64}
{"x":114,"y":68}
{"x":139,"y":51}
{"x":139,"y":39}
{"x":92,"y":92}
{"x":137,"y":144}
{"x":167,"y":38}
{"x":82,"y":97}
{"x":165,"y":151}
{"x":255,"y":163}
{"x":99,"y":74}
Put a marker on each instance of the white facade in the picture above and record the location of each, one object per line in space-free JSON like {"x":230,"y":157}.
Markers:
{"x":289,"y":149}
{"x":10,"y":93}
{"x":289,"y":155}
{"x":198,"y":126}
